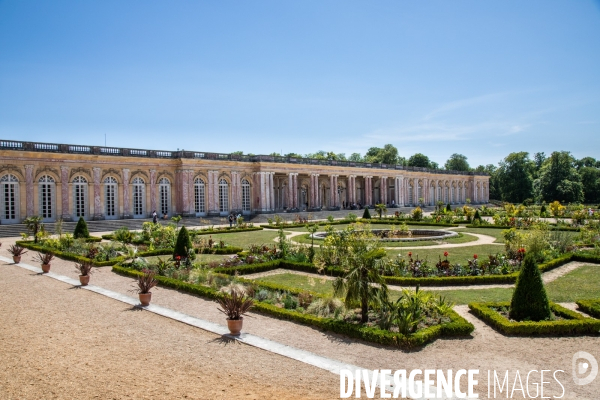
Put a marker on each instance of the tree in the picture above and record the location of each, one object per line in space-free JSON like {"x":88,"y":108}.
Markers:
{"x":81,"y":230}
{"x":356,"y":157}
{"x":457,"y":162}
{"x":515,"y":177}
{"x":530,"y":301}
{"x":312,"y":229}
{"x":386,"y":155}
{"x":183,"y":245}
{"x":362,"y":282}
{"x":559,"y":180}
{"x":590,"y":179}
{"x":380,"y":209}
{"x":366,"y":213}
{"x":34,"y":225}
{"x":419,"y":160}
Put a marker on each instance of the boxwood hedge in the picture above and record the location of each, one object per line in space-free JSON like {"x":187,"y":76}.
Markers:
{"x":591,"y":307}
{"x":573,"y":324}
{"x":457,"y":326}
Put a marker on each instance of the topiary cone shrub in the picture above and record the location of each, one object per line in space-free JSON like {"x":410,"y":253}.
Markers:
{"x":477,"y":217}
{"x":529,"y":300}
{"x":81,"y":230}
{"x":183,"y":244}
{"x":366,"y":214}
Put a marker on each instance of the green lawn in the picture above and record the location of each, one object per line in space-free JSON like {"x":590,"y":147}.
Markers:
{"x":460,"y":239}
{"x":583,"y":283}
{"x":244,"y":239}
{"x":496,"y":233}
{"x":373,"y":226}
{"x":455,"y":254}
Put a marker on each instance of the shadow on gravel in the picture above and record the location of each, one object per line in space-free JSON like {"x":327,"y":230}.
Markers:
{"x":225,"y":341}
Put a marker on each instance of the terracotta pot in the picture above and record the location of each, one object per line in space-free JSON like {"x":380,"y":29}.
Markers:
{"x":17,"y":259}
{"x":145,"y":298}
{"x":46,"y":268}
{"x":84,"y":279}
{"x":235,"y":326}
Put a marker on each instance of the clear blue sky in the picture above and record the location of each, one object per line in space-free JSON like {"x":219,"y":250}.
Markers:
{"x":480,"y":78}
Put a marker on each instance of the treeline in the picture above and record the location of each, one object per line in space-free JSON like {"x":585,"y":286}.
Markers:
{"x":518,"y":178}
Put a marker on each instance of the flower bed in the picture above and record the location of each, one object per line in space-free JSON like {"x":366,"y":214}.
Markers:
{"x":570,"y":322}
{"x":456,"y":325}
{"x":591,"y":307}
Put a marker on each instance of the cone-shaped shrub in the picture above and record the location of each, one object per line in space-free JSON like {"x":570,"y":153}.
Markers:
{"x":81,"y":230}
{"x":530,"y":301}
{"x":448,"y":208}
{"x":543,"y":210}
{"x":367,"y":214}
{"x":183,"y":244}
{"x":477,"y":217}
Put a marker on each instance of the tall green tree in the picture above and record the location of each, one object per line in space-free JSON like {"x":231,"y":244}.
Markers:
{"x":362,"y":282}
{"x":515,"y":177}
{"x":356,"y":157}
{"x":457,"y":162}
{"x":590,"y":179}
{"x":559,"y":179}
{"x":386,"y":155}
{"x":419,"y":160}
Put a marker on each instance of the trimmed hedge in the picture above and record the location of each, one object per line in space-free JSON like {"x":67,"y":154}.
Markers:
{"x":407,"y":281}
{"x":386,"y":221}
{"x":575,"y":324}
{"x":591,"y":307}
{"x":93,"y":239}
{"x":553,"y":228}
{"x":457,"y":326}
{"x":223,"y":230}
{"x":69,"y":256}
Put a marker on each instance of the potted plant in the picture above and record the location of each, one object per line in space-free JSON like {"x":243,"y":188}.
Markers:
{"x":45,"y":259}
{"x":84,"y":269}
{"x":145,"y":283}
{"x":16,"y":251}
{"x":234,"y":306}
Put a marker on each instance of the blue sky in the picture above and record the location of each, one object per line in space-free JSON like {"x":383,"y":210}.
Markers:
{"x":479,"y":78}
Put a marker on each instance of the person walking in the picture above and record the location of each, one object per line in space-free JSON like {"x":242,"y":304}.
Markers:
{"x":154,"y":217}
{"x":230,"y":220}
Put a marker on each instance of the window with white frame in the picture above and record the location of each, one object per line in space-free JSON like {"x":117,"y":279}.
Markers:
{"x":223,"y":196}
{"x":139,"y":189}
{"x":199,"y":195}
{"x":110,"y":197}
{"x":80,"y":193}
{"x":9,"y":188}
{"x":245,"y":195}
{"x":46,"y":186}
{"x":164,"y":193}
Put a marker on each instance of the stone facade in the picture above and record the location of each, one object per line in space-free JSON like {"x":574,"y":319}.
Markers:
{"x":68,"y":181}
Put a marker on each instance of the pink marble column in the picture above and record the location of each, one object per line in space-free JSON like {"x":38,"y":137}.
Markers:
{"x":64,"y":192}
{"x":336,"y":195}
{"x":97,"y":190}
{"x":271,"y":191}
{"x":126,"y":205}
{"x":153,"y":190}
{"x":185,"y":189}
{"x":295,"y":191}
{"x":29,"y":190}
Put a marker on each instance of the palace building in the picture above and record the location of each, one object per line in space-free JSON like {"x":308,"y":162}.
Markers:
{"x":71,"y":181}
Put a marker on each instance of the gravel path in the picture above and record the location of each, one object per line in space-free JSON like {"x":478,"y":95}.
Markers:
{"x":40,"y":358}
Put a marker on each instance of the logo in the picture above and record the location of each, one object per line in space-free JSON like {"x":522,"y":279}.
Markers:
{"x":580,"y":368}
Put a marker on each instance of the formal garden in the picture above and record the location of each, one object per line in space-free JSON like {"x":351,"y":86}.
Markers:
{"x":392,"y":278}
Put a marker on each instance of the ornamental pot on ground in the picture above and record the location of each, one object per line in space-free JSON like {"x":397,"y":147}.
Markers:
{"x":46,"y":268}
{"x":145,"y":298}
{"x":16,"y":259}
{"x":84,"y":279}
{"x":235,"y":326}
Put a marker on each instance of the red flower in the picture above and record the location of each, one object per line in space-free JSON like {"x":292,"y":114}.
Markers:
{"x":178,"y":258}
{"x":521,"y":250}
{"x":445,"y":254}
{"x":410,"y":253}
{"x":475,"y":256}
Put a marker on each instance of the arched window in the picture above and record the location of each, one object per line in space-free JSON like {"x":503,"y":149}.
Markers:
{"x":46,"y":186}
{"x":411,"y":196}
{"x":439,"y":194}
{"x":9,"y":190}
{"x":245,"y":195}
{"x":164,"y":196}
{"x":447,"y":195}
{"x":80,"y":194}
{"x":139,"y":195}
{"x":111,"y":201}
{"x":199,"y":196}
{"x":223,"y":196}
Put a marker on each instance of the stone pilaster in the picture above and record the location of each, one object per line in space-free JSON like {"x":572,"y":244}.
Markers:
{"x":271,"y":191}
{"x":126,"y":201}
{"x":97,"y":193}
{"x":153,"y":190}
{"x":64,"y":193}
{"x":29,"y":190}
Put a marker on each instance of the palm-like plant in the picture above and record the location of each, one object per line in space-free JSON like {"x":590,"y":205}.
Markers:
{"x":84,"y":269}
{"x":16,"y":250}
{"x":235,"y":305}
{"x":380,"y":209}
{"x":363,"y":282}
{"x":146,"y":281}
{"x":34,"y":224}
{"x":45,"y":258}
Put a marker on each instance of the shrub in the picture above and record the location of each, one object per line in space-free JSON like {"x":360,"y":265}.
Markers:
{"x":366,"y":214}
{"x":591,"y":307}
{"x":183,"y":244}
{"x":417,"y":214}
{"x":530,"y":301}
{"x":448,"y":208}
{"x":81,"y":230}
{"x":477,"y":217}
